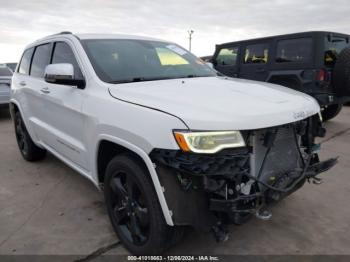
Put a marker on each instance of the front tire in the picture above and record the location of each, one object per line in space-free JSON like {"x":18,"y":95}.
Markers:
{"x":331,"y":111}
{"x":27,"y":147}
{"x":133,"y":207}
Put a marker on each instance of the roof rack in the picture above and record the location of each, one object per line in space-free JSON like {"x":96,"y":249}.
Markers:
{"x":65,"y":33}
{"x":60,"y":33}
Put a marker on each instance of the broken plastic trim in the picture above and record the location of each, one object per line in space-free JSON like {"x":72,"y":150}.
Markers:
{"x":221,"y":179}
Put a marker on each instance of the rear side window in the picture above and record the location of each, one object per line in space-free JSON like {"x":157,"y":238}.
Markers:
{"x":25,"y":61}
{"x":63,"y":54}
{"x":333,"y":46}
{"x":256,"y":54}
{"x":294,"y":50}
{"x":227,"y":56}
{"x":40,"y":60}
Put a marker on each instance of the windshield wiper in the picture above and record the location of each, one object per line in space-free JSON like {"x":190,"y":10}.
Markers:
{"x":143,"y":79}
{"x":191,"y":76}
{"x":138,"y":79}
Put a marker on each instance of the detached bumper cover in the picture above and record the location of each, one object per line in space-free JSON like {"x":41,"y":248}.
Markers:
{"x":321,"y":167}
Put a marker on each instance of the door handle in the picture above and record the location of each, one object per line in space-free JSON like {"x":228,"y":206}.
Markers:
{"x":260,"y":70}
{"x":22,"y":83}
{"x":45,"y":90}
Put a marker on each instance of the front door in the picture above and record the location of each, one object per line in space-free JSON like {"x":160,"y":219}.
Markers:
{"x":226,"y":60}
{"x":63,"y":118}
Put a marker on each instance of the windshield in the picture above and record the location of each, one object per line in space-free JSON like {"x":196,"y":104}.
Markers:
{"x":125,"y":60}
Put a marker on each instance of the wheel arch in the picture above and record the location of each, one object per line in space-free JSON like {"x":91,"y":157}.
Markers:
{"x":14,"y":107}
{"x":108,"y":147}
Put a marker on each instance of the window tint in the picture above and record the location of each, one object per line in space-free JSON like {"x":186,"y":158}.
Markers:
{"x":168,"y":57}
{"x":25,"y":61}
{"x":40,"y":60}
{"x":227,"y":56}
{"x":294,"y":50}
{"x":333,"y":46}
{"x":63,"y":54}
{"x":128,"y":60}
{"x":256,"y":54}
{"x":5,"y":71}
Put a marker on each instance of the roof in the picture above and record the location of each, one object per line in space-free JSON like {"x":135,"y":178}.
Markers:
{"x":115,"y":36}
{"x":285,"y":35}
{"x":98,"y":36}
{"x":92,"y":36}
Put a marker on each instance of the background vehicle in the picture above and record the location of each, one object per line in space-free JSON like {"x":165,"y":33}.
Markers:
{"x":5,"y":84}
{"x":127,"y":113}
{"x":12,"y":66}
{"x":316,"y":63}
{"x":207,"y":58}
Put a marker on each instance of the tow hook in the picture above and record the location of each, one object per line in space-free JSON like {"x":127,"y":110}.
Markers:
{"x":220,"y":232}
{"x":263,"y":214}
{"x":315,"y":180}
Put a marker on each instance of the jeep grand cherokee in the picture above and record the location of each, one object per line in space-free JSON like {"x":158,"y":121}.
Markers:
{"x":171,"y":143}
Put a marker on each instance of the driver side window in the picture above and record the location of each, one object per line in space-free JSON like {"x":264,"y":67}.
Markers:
{"x":62,"y":53}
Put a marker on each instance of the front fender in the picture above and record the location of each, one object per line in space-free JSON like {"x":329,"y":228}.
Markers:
{"x":150,"y":166}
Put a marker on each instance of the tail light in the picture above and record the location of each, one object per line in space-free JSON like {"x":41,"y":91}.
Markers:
{"x":321,"y":75}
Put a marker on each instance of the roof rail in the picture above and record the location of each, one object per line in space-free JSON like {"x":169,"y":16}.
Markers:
{"x":60,"y":33}
{"x":65,"y":33}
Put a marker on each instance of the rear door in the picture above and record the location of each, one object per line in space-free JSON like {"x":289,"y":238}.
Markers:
{"x":20,"y":85}
{"x":254,"y":61}
{"x":226,"y":60}
{"x":34,"y":88}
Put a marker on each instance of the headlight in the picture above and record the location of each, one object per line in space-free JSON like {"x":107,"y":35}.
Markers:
{"x":208,"y":142}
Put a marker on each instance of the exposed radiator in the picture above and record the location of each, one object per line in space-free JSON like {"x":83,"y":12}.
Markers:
{"x":283,"y":157}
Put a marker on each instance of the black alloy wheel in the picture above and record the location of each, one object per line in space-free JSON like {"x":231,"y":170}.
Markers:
{"x":134,"y":210}
{"x":130,"y":212}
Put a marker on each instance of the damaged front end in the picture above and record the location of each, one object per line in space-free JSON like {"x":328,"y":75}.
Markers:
{"x":209,"y":191}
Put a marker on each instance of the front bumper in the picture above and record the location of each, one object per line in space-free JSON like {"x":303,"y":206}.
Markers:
{"x":309,"y":173}
{"x":204,"y":189}
{"x":330,"y":99}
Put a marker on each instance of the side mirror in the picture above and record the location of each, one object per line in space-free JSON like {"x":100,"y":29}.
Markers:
{"x":210,"y":65}
{"x":62,"y":74}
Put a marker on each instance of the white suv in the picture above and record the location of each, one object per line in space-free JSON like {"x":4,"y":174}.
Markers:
{"x":171,"y":142}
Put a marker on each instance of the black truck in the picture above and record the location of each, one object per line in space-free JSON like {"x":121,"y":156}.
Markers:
{"x":316,"y":63}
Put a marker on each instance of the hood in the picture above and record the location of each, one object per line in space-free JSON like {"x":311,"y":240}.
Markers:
{"x":219,"y":103}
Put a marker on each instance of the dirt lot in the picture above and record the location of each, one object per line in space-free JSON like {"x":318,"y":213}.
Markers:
{"x":47,"y":208}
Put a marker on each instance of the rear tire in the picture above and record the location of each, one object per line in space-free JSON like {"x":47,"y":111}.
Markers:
{"x":134,"y":210}
{"x":331,"y":111}
{"x":27,"y":147}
